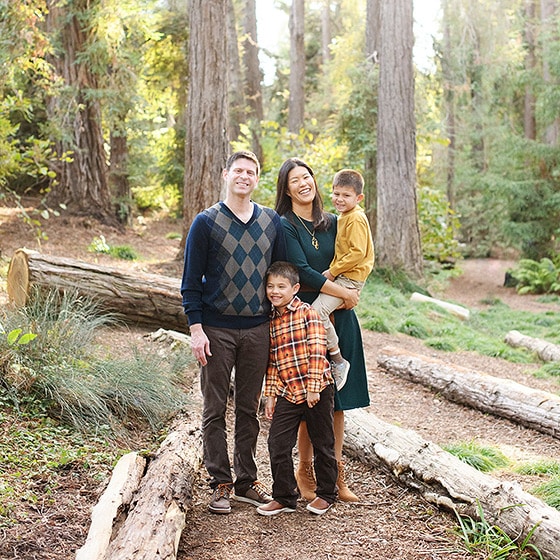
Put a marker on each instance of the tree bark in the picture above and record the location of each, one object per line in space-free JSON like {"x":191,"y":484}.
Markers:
{"x":206,"y":143}
{"x":451,"y":484}
{"x":236,"y":102}
{"x":253,"y":77}
{"x":532,"y":408}
{"x":150,"y":523}
{"x":398,"y":233}
{"x":156,"y":519}
{"x":82,"y":179}
{"x":126,"y":477}
{"x":529,"y":119}
{"x":546,"y":351}
{"x":137,"y":298}
{"x":296,"y":102}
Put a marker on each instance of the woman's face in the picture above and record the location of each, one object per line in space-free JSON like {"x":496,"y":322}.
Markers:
{"x":301,"y":186}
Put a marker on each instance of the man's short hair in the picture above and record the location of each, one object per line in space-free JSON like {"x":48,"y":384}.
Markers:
{"x":285,"y":270}
{"x":349,"y":178}
{"x":245,"y":154}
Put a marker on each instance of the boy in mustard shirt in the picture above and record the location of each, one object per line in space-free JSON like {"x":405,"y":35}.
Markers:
{"x":353,"y":259}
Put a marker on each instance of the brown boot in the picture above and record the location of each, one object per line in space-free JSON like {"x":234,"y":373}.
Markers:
{"x":344,"y":493}
{"x":306,"y":482}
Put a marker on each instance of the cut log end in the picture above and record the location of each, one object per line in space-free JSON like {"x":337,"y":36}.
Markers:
{"x":18,"y":279}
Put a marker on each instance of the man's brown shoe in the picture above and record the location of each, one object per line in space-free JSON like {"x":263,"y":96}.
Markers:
{"x":274,"y":508}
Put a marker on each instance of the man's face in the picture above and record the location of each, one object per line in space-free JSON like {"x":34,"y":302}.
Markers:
{"x":242,"y":178}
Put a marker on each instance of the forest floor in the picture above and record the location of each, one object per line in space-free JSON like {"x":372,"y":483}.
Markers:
{"x":389,"y":522}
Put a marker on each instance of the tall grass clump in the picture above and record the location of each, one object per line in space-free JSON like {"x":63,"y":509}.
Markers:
{"x":60,"y":368}
{"x":479,"y":537}
{"x":482,"y":458}
{"x":549,"y":492}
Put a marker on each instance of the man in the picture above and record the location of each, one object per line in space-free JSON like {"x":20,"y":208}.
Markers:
{"x":228,"y":251}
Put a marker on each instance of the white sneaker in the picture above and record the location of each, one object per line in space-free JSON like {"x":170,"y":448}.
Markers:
{"x":340,"y":373}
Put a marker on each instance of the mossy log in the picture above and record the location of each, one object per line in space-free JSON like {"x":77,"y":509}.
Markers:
{"x":451,"y":484}
{"x":523,"y":405}
{"x":135,"y":297}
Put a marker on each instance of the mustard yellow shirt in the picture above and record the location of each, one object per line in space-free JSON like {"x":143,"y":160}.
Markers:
{"x":353,"y":250}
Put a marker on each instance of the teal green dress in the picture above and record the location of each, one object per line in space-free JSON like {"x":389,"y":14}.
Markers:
{"x":311,"y":263}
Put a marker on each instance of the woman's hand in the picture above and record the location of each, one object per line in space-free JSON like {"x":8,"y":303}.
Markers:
{"x":351,"y":298}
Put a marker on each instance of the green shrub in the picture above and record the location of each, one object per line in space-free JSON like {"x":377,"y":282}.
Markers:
{"x":540,"y":277}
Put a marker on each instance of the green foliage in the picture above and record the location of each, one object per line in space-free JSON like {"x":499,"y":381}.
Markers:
{"x":60,"y":368}
{"x":540,"y":277}
{"x":33,"y":447}
{"x":480,"y":537}
{"x":480,"y":457}
{"x":549,"y":492}
{"x":100,"y":245}
{"x":322,"y":153}
{"x":385,"y":306}
{"x":543,"y":467}
{"x":438,"y":224}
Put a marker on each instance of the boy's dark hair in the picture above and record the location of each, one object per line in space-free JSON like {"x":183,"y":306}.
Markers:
{"x":245,"y":154}
{"x":285,"y":270}
{"x":349,"y":178}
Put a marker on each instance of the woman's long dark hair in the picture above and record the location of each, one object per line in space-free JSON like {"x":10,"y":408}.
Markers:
{"x":284,"y":203}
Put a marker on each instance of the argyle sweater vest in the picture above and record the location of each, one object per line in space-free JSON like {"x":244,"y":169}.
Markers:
{"x":225,"y":264}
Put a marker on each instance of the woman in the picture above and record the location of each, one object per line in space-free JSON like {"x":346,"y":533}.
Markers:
{"x":310,"y":237}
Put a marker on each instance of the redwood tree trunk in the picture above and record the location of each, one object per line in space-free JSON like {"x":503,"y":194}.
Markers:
{"x":206,"y":143}
{"x":296,"y":104}
{"x":398,"y":234}
{"x":82,"y":179}
{"x":253,"y":76}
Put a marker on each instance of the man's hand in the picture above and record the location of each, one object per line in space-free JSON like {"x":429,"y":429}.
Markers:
{"x":200,"y":345}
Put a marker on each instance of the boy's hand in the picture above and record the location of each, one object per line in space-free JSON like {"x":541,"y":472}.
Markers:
{"x":269,"y":407}
{"x":313,"y":399}
{"x":327,"y":274}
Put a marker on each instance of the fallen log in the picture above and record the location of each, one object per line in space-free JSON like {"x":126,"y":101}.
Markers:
{"x":124,"y":482}
{"x":546,"y":351}
{"x":523,"y":405}
{"x":138,"y":298}
{"x":148,"y":525}
{"x":141,"y":514}
{"x":451,"y":484}
{"x":457,"y":310}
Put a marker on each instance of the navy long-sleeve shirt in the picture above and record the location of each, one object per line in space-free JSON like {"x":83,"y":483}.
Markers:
{"x":225,"y":264}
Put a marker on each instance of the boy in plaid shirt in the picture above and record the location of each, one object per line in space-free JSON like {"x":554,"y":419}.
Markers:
{"x":299,"y":386}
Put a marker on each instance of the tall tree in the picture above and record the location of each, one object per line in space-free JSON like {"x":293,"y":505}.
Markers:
{"x":206,"y":143}
{"x":326,"y":35}
{"x":398,"y":234}
{"x":529,"y":120}
{"x":296,"y":103}
{"x":82,"y":179}
{"x":373,"y":29}
{"x":550,"y":37}
{"x":449,"y":100}
{"x":235,"y":78}
{"x":253,"y":76}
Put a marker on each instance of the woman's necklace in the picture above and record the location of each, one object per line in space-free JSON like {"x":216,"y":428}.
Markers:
{"x":314,"y":241}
